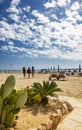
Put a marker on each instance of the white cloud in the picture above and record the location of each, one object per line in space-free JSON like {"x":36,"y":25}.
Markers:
{"x":2,"y":38}
{"x":54,"y":16}
{"x":64,"y":32}
{"x":27,"y":8}
{"x":15,"y":2}
{"x":78,"y":17}
{"x":49,"y":38}
{"x":4,"y":48}
{"x":61,"y":3}
{"x":4,"y":24}
{"x":55,"y":3}
{"x":12,"y":49}
{"x":41,"y":17}
{"x":13,"y":9}
{"x":4,"y":19}
{"x":14,"y":17}
{"x":73,"y":13}
{"x":10,"y":43}
{"x":6,"y":30}
{"x":51,"y":4}
{"x":75,"y":6}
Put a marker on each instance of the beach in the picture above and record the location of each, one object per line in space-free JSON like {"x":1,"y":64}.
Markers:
{"x":71,"y":85}
{"x":28,"y":117}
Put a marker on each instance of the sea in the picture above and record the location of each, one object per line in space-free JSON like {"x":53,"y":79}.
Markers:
{"x":10,"y":71}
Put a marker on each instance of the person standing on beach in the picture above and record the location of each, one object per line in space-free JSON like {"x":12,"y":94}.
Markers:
{"x":24,"y":72}
{"x":33,"y":71}
{"x":29,"y":72}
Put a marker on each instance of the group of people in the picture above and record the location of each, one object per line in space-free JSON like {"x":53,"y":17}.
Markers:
{"x":29,"y":71}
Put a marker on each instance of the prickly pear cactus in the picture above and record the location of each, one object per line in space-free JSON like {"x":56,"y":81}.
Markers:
{"x":10,"y":120}
{"x":10,"y":101}
{"x":21,"y":100}
{"x":3,"y":115}
{"x":1,"y":104}
{"x":8,"y":86}
{"x":2,"y":89}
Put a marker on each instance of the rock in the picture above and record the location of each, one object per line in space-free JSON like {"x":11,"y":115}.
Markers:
{"x":65,"y":106}
{"x":69,"y":106}
{"x":41,"y":127}
{"x":48,"y":125}
{"x":59,"y":112}
{"x":55,"y":118}
{"x":52,"y":116}
{"x":63,"y":111}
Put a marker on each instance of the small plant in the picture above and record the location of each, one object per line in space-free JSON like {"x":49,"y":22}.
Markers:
{"x":41,"y":91}
{"x":33,"y":97}
{"x":46,"y":89}
{"x":10,"y":101}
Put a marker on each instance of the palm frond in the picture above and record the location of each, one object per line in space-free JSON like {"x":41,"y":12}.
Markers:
{"x":37,"y":86}
{"x":45,"y":89}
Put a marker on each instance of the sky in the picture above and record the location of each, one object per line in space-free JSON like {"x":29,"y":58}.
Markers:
{"x":40,"y":33}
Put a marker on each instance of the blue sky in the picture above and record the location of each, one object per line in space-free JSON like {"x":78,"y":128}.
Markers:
{"x":40,"y":33}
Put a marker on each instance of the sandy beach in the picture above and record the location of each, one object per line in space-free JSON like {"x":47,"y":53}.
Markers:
{"x":71,"y":86}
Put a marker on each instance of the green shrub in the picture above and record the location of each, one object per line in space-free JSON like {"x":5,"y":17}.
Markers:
{"x":45,"y":89}
{"x":33,"y":97}
{"x":39,"y":92}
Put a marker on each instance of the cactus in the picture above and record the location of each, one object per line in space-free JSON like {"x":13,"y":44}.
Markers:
{"x":8,"y":86}
{"x":1,"y":90}
{"x":10,"y":120}
{"x":3,"y":115}
{"x":10,"y":101}
{"x":12,"y":97}
{"x":1,"y":104}
{"x":15,"y":111}
{"x":21,"y":99}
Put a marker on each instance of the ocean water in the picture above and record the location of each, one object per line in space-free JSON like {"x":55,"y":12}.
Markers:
{"x":10,"y":71}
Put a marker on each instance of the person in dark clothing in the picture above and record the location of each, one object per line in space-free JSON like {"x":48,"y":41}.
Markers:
{"x":33,"y":71}
{"x":24,"y":72}
{"x":29,"y":72}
